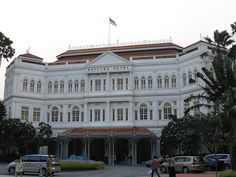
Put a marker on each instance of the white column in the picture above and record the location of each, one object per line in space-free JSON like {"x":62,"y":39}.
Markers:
{"x":131,"y":111}
{"x":155,"y":110}
{"x":86,"y":80}
{"x":131,"y":81}
{"x":108,"y":86}
{"x":65,"y":113}
{"x":86,"y":119}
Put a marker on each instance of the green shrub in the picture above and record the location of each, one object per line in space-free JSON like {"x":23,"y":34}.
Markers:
{"x":227,"y":173}
{"x":81,"y":165}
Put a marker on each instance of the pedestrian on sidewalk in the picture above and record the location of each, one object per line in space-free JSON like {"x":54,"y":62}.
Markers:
{"x":19,"y":166}
{"x":171,"y":166}
{"x":155,"y":166}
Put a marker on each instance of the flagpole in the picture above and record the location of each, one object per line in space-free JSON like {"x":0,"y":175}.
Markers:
{"x":108,"y":35}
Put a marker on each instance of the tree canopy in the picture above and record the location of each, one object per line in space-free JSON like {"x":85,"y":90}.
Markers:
{"x":6,"y":50}
{"x":219,"y":90}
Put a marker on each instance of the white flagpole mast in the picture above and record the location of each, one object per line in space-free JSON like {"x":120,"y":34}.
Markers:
{"x":109,"y":24}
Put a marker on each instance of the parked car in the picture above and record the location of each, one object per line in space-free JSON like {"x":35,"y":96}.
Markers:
{"x":221,"y":157}
{"x":35,"y":163}
{"x":149,"y":162}
{"x":185,"y":164}
{"x":213,"y":164}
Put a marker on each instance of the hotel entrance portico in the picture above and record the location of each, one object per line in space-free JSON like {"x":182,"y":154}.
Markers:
{"x":129,"y":145}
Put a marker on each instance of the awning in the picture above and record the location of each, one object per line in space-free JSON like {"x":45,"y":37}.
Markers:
{"x":107,"y":132}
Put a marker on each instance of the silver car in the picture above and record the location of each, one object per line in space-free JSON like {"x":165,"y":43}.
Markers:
{"x":221,"y":157}
{"x":185,"y":164}
{"x":35,"y":163}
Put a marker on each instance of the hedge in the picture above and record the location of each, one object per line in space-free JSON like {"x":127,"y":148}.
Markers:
{"x":227,"y":173}
{"x":81,"y":165}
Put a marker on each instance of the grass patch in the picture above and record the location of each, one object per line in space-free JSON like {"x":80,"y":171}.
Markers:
{"x":227,"y":173}
{"x":81,"y":165}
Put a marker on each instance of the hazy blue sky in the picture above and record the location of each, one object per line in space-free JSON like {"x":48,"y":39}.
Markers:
{"x":48,"y":27}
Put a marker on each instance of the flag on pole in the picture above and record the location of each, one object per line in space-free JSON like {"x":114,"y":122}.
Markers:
{"x":112,"y":22}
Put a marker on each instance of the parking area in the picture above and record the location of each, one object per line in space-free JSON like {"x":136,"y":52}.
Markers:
{"x":111,"y":171}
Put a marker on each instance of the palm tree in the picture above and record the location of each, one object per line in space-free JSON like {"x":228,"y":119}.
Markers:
{"x":219,"y":91}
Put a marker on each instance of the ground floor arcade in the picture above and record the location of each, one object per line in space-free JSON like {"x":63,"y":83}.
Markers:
{"x":111,"y":145}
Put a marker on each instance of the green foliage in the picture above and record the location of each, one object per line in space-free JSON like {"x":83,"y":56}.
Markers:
{"x":6,"y":51}
{"x":2,"y":110}
{"x":227,"y":173}
{"x":43,"y":134}
{"x":189,"y":132}
{"x":81,"y":165}
{"x":16,"y":136}
{"x":220,"y":88}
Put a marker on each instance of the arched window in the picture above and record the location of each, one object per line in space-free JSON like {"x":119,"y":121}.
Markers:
{"x":62,"y":86}
{"x":184,"y":80}
{"x":143,"y":112}
{"x":70,"y":86}
{"x":135,"y":83}
{"x":76,"y":86}
{"x":32,"y":86}
{"x":143,"y":83}
{"x":167,"y":110}
{"x":39,"y":85}
{"x":173,"y":81}
{"x":82,"y":85}
{"x":54,"y":114}
{"x":166,"y":81}
{"x":50,"y":87}
{"x":150,"y":82}
{"x":25,"y":85}
{"x":75,"y":113}
{"x":55,"y":87}
{"x":159,"y":82}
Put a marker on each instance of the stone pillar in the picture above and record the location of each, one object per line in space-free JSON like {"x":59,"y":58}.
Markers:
{"x":86,"y":118}
{"x":65,"y":149}
{"x":158,"y":147}
{"x":131,"y":111}
{"x":108,"y":112}
{"x":134,"y":151}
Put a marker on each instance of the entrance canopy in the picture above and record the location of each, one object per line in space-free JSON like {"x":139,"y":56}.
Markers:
{"x":107,"y":131}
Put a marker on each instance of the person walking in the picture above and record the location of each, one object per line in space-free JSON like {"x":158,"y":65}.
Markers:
{"x":171,"y":166}
{"x":19,"y":167}
{"x":155,"y":166}
{"x":49,"y":166}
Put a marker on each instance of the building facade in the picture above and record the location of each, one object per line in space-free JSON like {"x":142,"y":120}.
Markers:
{"x":105,"y":103}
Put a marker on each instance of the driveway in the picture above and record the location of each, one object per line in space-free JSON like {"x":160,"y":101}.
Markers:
{"x":111,"y":171}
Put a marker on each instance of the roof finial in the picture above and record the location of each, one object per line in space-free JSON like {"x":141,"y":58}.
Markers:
{"x":28,"y":50}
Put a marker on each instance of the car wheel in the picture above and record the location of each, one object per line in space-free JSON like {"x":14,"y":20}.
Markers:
{"x":44,"y":172}
{"x":227,"y":167}
{"x":208,"y":168}
{"x":11,"y":171}
{"x":185,"y":170}
{"x":163,"y":169}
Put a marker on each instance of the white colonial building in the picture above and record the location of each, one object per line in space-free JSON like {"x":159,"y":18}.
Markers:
{"x":106,"y":103}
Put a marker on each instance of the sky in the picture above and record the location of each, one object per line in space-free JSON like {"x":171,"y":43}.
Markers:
{"x":48,"y":27}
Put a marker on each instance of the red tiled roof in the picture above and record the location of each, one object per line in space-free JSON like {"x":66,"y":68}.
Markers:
{"x":115,"y":49}
{"x":28,"y":55}
{"x":116,"y":131}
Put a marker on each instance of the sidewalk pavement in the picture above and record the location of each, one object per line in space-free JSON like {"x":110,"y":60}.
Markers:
{"x":208,"y":174}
